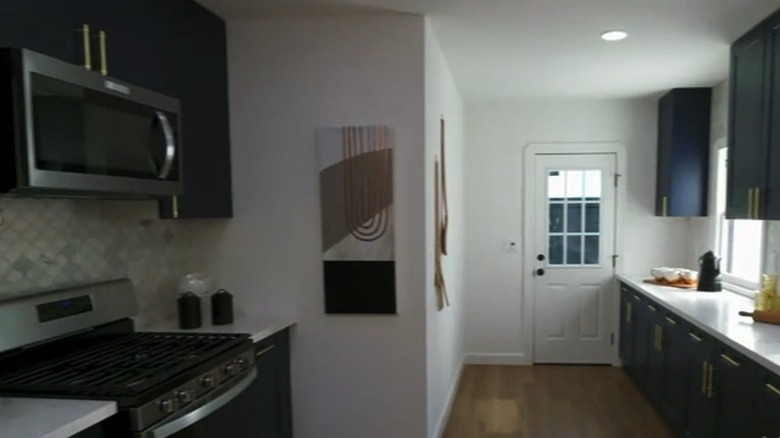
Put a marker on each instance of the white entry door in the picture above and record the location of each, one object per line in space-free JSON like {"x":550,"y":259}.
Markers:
{"x":573,"y":262}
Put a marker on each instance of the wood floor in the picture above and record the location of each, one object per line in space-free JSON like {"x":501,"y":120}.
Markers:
{"x":550,"y":402}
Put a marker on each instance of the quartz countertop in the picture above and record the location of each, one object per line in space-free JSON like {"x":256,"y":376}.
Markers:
{"x":258,"y":326}
{"x":50,"y":418}
{"x":717,"y":313}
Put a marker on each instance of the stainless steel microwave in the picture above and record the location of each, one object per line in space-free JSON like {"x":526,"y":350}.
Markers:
{"x":66,"y":131}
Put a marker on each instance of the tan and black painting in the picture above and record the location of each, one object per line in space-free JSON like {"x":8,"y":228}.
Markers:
{"x":358,"y":243}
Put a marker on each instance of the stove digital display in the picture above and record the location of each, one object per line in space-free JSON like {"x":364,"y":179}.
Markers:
{"x":64,"y":308}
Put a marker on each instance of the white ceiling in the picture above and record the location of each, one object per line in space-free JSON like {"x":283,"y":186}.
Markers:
{"x":508,"y":49}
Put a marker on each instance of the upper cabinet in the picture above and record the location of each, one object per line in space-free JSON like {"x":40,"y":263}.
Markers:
{"x":683,"y":152}
{"x":754,"y":124}
{"x":174,"y":47}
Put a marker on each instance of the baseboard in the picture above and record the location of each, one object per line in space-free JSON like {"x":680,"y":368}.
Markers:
{"x":445,"y":415}
{"x":496,"y":359}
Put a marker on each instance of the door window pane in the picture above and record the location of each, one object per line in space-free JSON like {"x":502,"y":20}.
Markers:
{"x":591,"y":250}
{"x":556,"y":250}
{"x":573,"y":250}
{"x":574,"y":218}
{"x":592,"y":218}
{"x":556,"y":218}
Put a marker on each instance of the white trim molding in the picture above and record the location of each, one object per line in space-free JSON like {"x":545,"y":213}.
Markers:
{"x":496,"y":359}
{"x":567,"y":148}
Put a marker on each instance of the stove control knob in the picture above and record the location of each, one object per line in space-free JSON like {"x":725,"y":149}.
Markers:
{"x":209,"y":382}
{"x":231,"y":369}
{"x":184,"y":396}
{"x":167,"y":406}
{"x":242,"y":363}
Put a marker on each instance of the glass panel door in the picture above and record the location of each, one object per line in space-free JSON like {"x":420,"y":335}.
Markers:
{"x":574,"y":217}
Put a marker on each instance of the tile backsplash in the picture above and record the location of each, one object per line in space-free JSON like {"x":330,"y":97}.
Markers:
{"x":50,"y":243}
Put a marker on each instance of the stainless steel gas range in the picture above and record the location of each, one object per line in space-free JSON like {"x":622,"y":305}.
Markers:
{"x":79,"y":343}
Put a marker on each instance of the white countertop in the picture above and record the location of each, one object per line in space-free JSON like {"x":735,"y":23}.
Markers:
{"x":50,"y":418}
{"x":259,"y":327}
{"x":718,"y":315}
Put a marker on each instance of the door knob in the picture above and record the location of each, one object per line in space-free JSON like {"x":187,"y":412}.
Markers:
{"x":540,"y":257}
{"x":540,"y":272}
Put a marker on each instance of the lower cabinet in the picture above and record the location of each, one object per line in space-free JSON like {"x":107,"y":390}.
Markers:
{"x":701,"y":387}
{"x":272,"y":386}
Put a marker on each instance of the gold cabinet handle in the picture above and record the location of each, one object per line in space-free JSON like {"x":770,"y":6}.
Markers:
{"x":750,"y":203}
{"x":757,"y":203}
{"x":709,"y":381}
{"x":731,"y":361}
{"x":704,"y":377}
{"x":628,"y":313}
{"x":87,"y":49}
{"x":103,"y":59}
{"x":773,"y":388}
{"x":651,"y":307}
{"x":636,"y":297}
{"x":670,"y":321}
{"x":265,"y":350}
{"x":665,"y":206}
{"x":694,"y":337}
{"x":175,"y":207}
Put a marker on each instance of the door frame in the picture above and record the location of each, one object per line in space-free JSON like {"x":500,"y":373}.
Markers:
{"x":529,"y":184}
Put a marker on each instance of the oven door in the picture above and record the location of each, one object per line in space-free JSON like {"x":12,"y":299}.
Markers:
{"x":231,"y":414}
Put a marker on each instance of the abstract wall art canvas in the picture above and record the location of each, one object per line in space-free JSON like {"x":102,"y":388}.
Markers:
{"x":358,"y":241}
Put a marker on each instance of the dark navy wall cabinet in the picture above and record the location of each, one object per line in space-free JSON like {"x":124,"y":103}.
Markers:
{"x":175,"y":47}
{"x":683,"y":152}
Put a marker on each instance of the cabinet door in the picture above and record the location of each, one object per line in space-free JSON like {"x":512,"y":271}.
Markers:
{"x":675,"y":383}
{"x":771,"y":199}
{"x":273,"y":404}
{"x":664,"y":169}
{"x":702,"y":409}
{"x":768,"y":405}
{"x":133,"y":48}
{"x":626,"y":328}
{"x":747,"y":151}
{"x":642,"y":342}
{"x":50,"y":27}
{"x":655,"y":361}
{"x":195,"y":51}
{"x":735,"y":387}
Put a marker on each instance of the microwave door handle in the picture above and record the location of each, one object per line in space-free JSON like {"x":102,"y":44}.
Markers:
{"x":170,"y":145}
{"x":202,"y":412}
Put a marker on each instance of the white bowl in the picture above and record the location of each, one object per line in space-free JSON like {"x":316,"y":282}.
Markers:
{"x":657,"y":273}
{"x":672,"y":275}
{"x":690,"y":276}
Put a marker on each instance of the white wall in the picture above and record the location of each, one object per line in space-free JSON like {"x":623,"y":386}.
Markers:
{"x":444,"y":334}
{"x":496,"y":134}
{"x":353,"y":376}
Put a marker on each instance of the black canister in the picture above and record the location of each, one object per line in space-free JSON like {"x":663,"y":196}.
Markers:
{"x":189,"y":311}
{"x":222,"y":308}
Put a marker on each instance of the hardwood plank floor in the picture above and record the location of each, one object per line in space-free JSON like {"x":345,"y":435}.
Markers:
{"x":551,"y":401}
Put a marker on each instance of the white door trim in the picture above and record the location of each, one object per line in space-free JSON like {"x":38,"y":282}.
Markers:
{"x":531,"y":150}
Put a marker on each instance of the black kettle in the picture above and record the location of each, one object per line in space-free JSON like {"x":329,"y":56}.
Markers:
{"x":709,"y":273}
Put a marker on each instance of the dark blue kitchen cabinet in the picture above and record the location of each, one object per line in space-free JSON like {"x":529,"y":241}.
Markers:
{"x":627,"y":330}
{"x":747,"y":124}
{"x":702,"y":406}
{"x":682,"y":172}
{"x":643,"y":340}
{"x":271,"y":389}
{"x":674,"y":383}
{"x":769,"y":202}
{"x":175,"y":47}
{"x":735,"y":383}
{"x":767,"y":422}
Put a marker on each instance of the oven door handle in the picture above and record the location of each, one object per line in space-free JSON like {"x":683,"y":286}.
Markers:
{"x":170,"y":144}
{"x":202,"y":412}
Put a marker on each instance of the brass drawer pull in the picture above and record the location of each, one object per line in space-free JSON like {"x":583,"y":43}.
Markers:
{"x":757,"y":204}
{"x":773,"y":388}
{"x":704,"y":377}
{"x":651,"y":307}
{"x":628,"y":313}
{"x":709,"y":385}
{"x":731,"y":361}
{"x":103,"y":60}
{"x":670,"y":321}
{"x":265,"y":350}
{"x":87,"y":49}
{"x":636,"y":297}
{"x":694,"y":337}
{"x":665,"y":207}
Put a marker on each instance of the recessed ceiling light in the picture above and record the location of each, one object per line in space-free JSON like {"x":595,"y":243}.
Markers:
{"x":614,"y":35}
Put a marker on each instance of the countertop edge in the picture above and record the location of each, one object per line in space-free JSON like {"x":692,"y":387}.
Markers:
{"x":715,"y":333}
{"x":84,"y":422}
